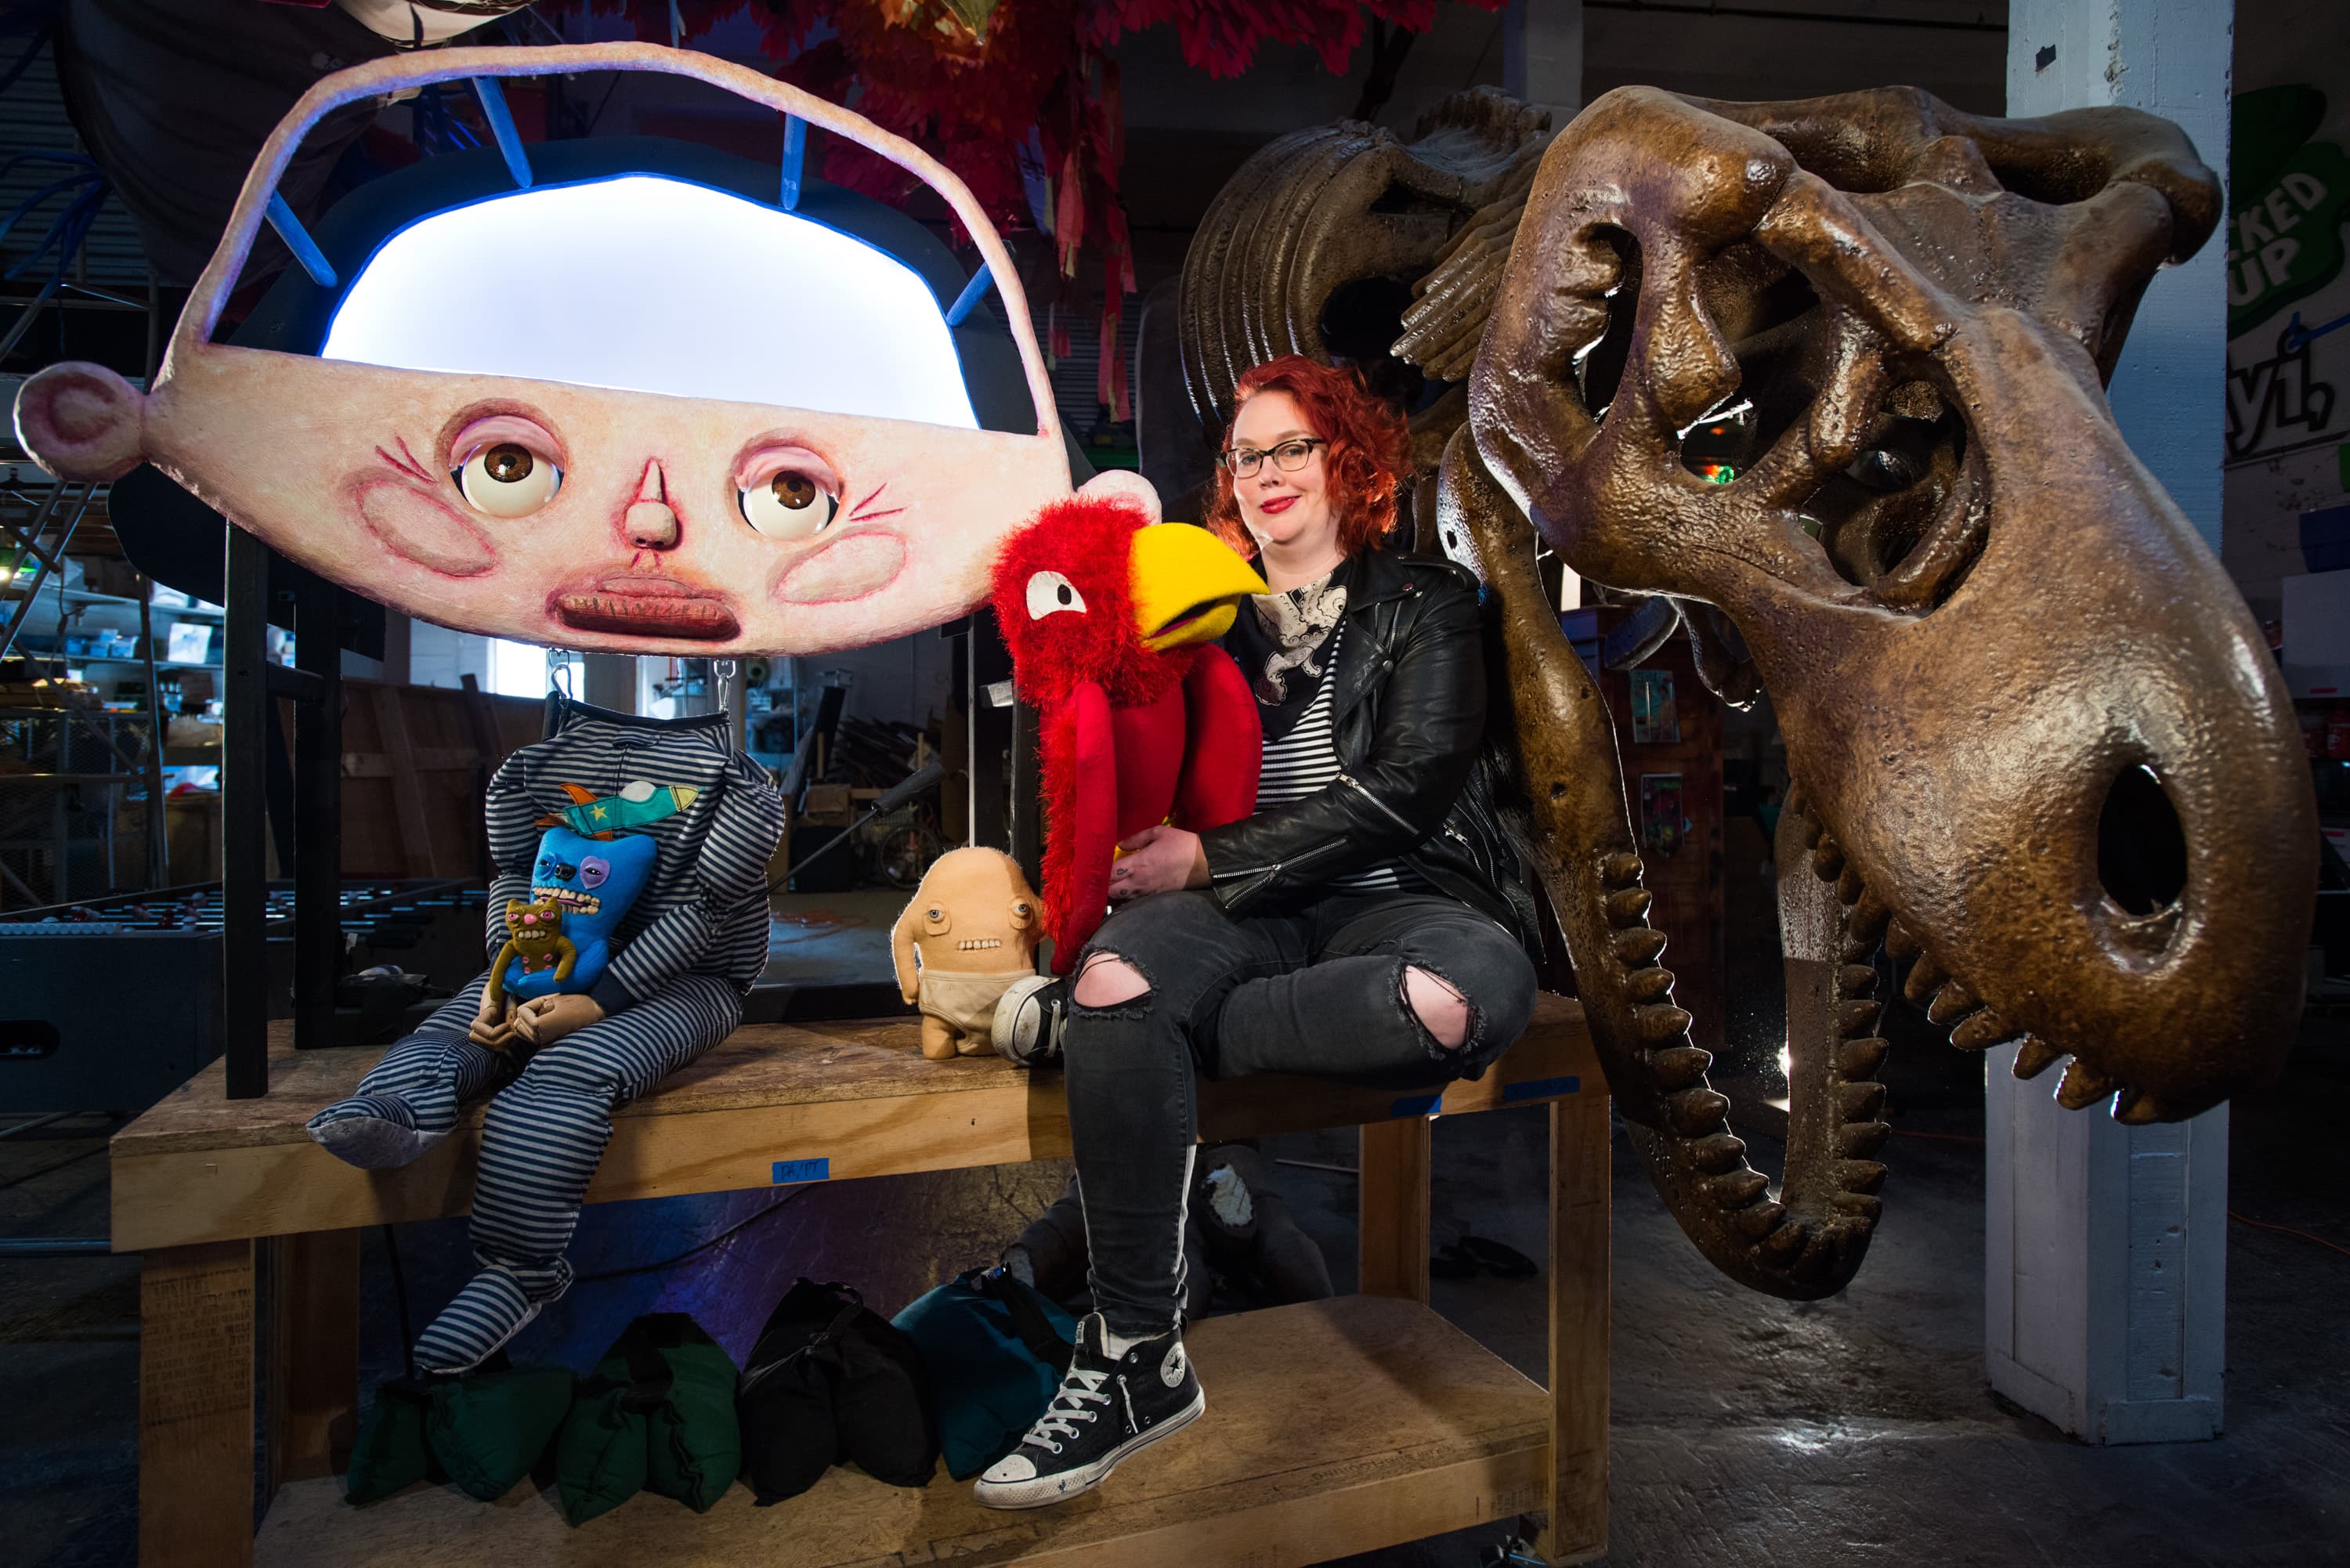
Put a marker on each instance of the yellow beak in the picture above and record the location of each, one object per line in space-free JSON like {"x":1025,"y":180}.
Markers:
{"x":1187,"y":585}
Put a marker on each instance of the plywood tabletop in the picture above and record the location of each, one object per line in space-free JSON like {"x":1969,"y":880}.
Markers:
{"x":759,"y":1065}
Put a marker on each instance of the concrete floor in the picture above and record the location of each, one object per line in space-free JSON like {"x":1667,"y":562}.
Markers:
{"x":1851,"y":1431}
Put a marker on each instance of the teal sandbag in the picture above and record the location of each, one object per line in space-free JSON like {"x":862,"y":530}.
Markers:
{"x":996,"y":1350}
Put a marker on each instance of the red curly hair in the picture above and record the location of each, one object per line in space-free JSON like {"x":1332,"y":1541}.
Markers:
{"x":1364,"y":464}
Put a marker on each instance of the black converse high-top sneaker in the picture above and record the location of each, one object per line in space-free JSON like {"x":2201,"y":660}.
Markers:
{"x":1108,"y":1407}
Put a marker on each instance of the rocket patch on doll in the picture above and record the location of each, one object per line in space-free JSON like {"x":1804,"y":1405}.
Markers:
{"x":1111,"y":619}
{"x":580,"y":888}
{"x":638,"y":805}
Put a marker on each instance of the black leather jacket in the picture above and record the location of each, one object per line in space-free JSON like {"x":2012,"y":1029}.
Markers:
{"x":1407,"y":713}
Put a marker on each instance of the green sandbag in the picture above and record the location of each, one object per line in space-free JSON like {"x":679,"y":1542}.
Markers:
{"x":389,"y":1453}
{"x":488,"y":1428}
{"x":695,"y":1445}
{"x":658,"y":1415}
{"x":599,"y":1459}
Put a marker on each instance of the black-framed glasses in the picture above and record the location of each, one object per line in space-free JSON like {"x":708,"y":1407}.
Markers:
{"x":1289,"y":456}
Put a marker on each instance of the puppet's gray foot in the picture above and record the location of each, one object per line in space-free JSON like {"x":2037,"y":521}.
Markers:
{"x":491,"y":1310}
{"x":374,"y":1132}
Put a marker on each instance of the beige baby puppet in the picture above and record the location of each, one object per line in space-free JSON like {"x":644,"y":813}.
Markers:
{"x":975,"y":922}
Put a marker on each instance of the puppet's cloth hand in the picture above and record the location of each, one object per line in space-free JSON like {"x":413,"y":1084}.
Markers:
{"x":493,"y":1024}
{"x":1160,"y":859}
{"x":543,"y":1021}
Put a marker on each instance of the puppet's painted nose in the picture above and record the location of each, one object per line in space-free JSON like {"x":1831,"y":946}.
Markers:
{"x":650,"y":525}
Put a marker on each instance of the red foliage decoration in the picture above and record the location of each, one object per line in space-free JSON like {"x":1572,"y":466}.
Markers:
{"x":975,"y":83}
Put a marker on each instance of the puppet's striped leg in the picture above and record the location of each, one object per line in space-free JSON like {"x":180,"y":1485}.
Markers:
{"x":408,"y":1101}
{"x":541,"y":1141}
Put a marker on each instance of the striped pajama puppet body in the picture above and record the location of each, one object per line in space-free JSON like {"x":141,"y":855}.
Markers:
{"x":682,"y":960}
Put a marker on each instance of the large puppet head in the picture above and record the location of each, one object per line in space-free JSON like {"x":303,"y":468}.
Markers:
{"x":601,"y":494}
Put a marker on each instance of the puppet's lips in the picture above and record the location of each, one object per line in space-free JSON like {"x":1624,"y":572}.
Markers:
{"x":627,"y":603}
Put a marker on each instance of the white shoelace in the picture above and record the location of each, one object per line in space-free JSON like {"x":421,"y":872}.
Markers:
{"x":1069,"y":1407}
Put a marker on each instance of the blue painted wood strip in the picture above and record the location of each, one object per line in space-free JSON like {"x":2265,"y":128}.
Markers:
{"x":973,"y":293}
{"x":297,"y":240}
{"x":1542,"y":1088}
{"x":1414,"y":1105}
{"x":818,"y":1169}
{"x":794,"y":160}
{"x":502,"y":126}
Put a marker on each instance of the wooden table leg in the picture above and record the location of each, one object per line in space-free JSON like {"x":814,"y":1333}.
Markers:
{"x":1574,"y":1528}
{"x":314,"y":1354}
{"x":195,"y":1405}
{"x":1392,"y":1221}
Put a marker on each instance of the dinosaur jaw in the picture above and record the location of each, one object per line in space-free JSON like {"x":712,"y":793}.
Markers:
{"x":1959,"y":1005}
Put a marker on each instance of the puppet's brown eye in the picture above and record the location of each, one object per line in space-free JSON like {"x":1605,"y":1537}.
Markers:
{"x":789,"y":504}
{"x":508,"y":480}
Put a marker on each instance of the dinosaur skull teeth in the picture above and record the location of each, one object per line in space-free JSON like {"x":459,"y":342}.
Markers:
{"x":1953,"y":1005}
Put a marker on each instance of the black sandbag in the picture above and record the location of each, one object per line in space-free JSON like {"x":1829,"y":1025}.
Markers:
{"x":827,"y":1381}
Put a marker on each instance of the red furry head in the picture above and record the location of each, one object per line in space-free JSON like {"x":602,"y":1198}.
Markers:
{"x":1064,"y":594}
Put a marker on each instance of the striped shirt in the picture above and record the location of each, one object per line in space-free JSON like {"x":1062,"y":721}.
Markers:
{"x":1305,"y":761}
{"x":704,"y":911}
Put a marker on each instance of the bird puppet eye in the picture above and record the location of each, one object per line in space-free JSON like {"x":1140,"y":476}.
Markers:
{"x":1049,"y":593}
{"x":788,"y":493}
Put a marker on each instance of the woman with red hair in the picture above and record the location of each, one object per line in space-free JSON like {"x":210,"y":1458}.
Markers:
{"x":1366,"y":922}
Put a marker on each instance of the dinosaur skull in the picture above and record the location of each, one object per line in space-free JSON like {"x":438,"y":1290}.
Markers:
{"x":2047,"y":744}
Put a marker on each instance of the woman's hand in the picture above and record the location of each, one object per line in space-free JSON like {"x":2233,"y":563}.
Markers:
{"x":492,"y":1027}
{"x":1160,"y":859}
{"x":544,"y":1020}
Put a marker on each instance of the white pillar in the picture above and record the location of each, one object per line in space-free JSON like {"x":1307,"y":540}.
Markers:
{"x":1542,"y":56}
{"x":2106,"y":1247}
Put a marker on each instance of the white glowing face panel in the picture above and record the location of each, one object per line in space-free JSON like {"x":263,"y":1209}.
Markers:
{"x":645,"y":283}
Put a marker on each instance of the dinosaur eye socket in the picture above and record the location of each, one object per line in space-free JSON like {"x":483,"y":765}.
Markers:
{"x":1049,"y":593}
{"x":593,"y":869}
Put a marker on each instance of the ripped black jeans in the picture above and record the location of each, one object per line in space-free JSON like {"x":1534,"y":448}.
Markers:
{"x":1319,"y":991}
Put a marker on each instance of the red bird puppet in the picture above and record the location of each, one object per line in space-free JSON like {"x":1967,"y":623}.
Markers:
{"x":1109,"y":617}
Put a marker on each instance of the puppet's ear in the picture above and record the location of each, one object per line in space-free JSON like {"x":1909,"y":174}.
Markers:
{"x":1123,"y":485}
{"x":80,"y":421}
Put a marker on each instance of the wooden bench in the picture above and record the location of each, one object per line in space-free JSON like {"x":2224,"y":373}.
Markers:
{"x":1332,"y":1427}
